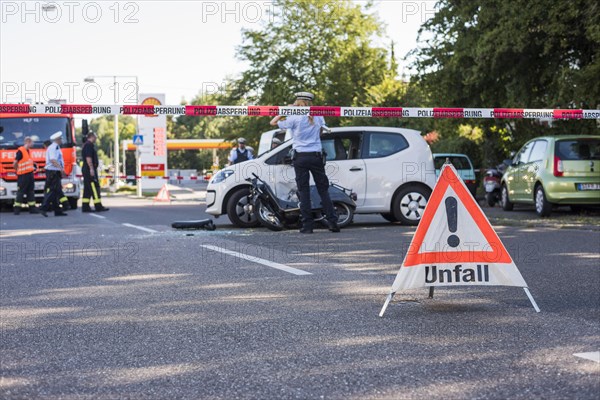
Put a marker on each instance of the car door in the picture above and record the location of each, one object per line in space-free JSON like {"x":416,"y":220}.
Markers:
{"x":382,"y":153}
{"x":516,"y":182}
{"x":345,"y":167}
{"x":280,"y":173}
{"x":532,"y":168}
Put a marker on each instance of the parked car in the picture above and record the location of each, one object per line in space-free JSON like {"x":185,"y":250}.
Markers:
{"x":463,"y":165}
{"x":390,"y":170}
{"x":554,"y":171}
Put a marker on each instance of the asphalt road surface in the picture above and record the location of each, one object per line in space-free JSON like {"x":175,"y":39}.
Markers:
{"x":119,"y":305}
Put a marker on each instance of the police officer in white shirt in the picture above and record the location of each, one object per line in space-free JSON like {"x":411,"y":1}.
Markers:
{"x":55,"y":168}
{"x":241,"y":153}
{"x":308,"y":159}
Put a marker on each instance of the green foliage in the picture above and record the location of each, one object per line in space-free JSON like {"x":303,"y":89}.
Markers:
{"x":321,"y":46}
{"x":104,"y":128}
{"x":461,"y":145}
{"x":522,"y":54}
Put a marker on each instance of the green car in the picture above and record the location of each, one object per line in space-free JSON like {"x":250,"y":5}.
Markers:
{"x":554,"y":171}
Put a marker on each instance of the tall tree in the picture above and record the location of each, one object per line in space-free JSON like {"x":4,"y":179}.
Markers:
{"x":322,"y":46}
{"x":522,"y":53}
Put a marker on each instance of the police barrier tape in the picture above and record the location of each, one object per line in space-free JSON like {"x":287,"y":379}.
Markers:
{"x":170,"y":178}
{"x":126,"y":177}
{"x":325,"y":111}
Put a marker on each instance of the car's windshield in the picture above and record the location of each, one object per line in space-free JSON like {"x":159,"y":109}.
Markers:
{"x":14,"y":130}
{"x":578,"y":149}
{"x":457,"y":162}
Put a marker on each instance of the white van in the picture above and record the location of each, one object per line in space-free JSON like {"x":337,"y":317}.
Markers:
{"x":391,"y":171}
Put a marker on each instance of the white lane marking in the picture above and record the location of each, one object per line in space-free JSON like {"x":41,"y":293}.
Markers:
{"x":97,"y":216}
{"x":592,"y":356}
{"x":141,"y":228}
{"x":257,"y":260}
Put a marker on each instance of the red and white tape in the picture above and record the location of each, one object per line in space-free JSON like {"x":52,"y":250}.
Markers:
{"x":122,"y":177}
{"x":170,"y":178}
{"x":325,"y":111}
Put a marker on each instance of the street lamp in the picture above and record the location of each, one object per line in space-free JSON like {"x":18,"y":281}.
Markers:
{"x":92,"y":79}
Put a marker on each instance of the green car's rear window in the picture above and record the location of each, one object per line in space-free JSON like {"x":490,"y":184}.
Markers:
{"x":578,"y":149}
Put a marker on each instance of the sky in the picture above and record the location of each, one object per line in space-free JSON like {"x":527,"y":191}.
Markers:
{"x":180,"y":48}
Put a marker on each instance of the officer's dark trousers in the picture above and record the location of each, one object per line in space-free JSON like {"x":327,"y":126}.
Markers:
{"x":91,"y":189}
{"x":53,"y":191}
{"x":25,"y":187}
{"x":304,"y":165}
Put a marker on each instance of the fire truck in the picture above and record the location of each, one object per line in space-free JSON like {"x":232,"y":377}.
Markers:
{"x":13,"y":129}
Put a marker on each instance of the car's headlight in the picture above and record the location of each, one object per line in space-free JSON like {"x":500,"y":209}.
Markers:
{"x":2,"y":191}
{"x":221,"y":176}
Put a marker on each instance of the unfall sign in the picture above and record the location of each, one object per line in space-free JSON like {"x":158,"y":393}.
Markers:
{"x":455,"y":244}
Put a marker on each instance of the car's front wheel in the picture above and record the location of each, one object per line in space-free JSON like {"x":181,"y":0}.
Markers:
{"x":409,"y":204}
{"x":240,"y":211}
{"x":507,"y":205}
{"x":542,"y":206}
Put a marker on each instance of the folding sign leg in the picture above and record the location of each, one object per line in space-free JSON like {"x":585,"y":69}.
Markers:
{"x":533,"y":303}
{"x":431,"y":289}
{"x":387,"y":302}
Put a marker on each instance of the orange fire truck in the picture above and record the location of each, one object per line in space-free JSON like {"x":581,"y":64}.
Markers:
{"x":13,"y":129}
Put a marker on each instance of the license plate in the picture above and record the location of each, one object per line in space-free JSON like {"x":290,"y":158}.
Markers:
{"x":588,"y":186}
{"x":490,"y":186}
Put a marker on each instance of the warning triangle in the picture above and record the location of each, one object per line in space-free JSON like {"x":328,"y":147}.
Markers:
{"x":455,"y":244}
{"x":163,"y":194}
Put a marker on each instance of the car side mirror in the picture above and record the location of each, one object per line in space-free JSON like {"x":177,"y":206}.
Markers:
{"x":508,"y":162}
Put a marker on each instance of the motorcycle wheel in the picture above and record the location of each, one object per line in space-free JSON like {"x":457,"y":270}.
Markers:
{"x":345,"y":214}
{"x":490,"y":199}
{"x":267,"y":217}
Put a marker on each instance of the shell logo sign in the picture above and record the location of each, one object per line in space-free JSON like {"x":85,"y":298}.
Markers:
{"x":151,"y":101}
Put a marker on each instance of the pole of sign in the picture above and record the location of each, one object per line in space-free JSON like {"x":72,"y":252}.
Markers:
{"x":387,"y":302}
{"x":533,"y":303}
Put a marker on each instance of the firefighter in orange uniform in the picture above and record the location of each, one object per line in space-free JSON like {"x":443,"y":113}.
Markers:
{"x":25,"y":168}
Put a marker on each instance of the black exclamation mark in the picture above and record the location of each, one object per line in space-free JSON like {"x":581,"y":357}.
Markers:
{"x":452,"y":214}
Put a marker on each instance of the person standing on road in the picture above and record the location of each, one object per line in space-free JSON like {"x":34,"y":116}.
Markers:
{"x":91,"y":186}
{"x":308,"y":159}
{"x":25,"y":168}
{"x":62,"y":199}
{"x":241,"y":153}
{"x":55,"y":169}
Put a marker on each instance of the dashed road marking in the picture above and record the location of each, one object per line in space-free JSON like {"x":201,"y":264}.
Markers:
{"x":592,"y":356}
{"x":141,"y":228}
{"x":97,"y":216}
{"x":257,"y":260}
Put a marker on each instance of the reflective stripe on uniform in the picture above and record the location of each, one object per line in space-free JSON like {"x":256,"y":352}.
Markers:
{"x":63,"y":199}
{"x":17,"y":204}
{"x":95,"y":192}
{"x":97,"y":201}
{"x":85,"y":201}
{"x":32,"y":203}
{"x":25,"y":164}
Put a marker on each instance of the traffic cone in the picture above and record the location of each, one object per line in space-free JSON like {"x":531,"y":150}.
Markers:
{"x":163,"y":195}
